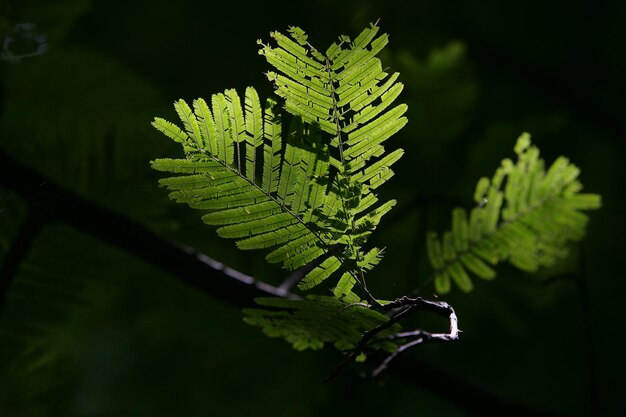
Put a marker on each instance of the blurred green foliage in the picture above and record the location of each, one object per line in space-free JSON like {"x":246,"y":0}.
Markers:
{"x":90,"y":330}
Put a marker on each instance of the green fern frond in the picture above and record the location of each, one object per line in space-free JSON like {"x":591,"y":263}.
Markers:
{"x":316,"y":320}
{"x":525,"y":215}
{"x":308,"y":196}
{"x":345,"y":92}
{"x":260,"y":199}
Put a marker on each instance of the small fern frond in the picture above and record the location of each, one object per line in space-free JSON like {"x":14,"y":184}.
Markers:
{"x":261,"y":199}
{"x":348,"y":95}
{"x":316,"y":320}
{"x":525,"y":215}
{"x":345,"y":91}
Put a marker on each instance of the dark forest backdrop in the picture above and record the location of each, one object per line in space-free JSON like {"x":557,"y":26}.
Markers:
{"x":98,"y":322}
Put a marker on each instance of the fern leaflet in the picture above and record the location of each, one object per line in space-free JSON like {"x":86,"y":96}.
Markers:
{"x":316,"y":320}
{"x":261,"y":199}
{"x":346,"y":92}
{"x":527,"y":221}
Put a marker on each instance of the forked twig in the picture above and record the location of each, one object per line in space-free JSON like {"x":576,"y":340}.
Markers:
{"x":404,"y":306}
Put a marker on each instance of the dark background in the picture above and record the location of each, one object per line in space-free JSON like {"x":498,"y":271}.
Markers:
{"x":89,"y":329}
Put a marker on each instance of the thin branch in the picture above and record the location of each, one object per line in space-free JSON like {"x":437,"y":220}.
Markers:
{"x":404,"y":306}
{"x":417,"y":337}
{"x":421,"y":336}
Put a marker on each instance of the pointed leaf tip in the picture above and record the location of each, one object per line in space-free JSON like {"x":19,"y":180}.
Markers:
{"x":523,"y":142}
